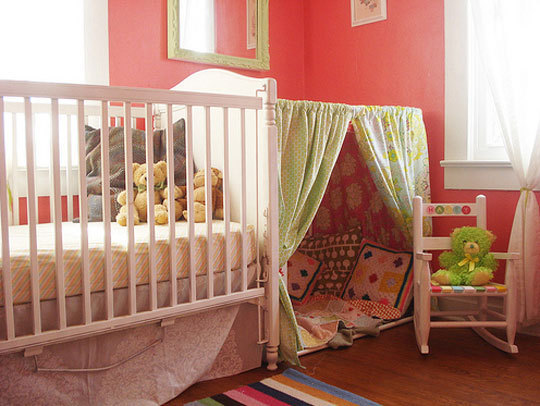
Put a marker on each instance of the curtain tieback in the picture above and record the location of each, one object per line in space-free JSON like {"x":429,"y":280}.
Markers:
{"x":470,"y":260}
{"x":527,"y":191}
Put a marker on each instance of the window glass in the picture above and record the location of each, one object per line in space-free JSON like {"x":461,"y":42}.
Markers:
{"x":197,"y":25}
{"x":42,"y":40}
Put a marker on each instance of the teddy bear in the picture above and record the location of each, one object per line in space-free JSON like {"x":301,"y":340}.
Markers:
{"x":140,"y":195}
{"x":199,"y":195}
{"x":180,"y":202}
{"x":200,"y":212}
{"x":469,"y":262}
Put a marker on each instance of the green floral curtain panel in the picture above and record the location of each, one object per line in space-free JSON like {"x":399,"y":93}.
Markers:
{"x":310,"y":135}
{"x":393,"y":143}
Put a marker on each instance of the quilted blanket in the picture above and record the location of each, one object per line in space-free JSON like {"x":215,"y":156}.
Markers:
{"x":326,"y":319}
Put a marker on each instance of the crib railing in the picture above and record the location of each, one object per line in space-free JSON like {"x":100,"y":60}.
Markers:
{"x":103,"y":99}
{"x":14,"y":126}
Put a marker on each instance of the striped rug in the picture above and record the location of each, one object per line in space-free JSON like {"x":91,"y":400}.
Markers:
{"x":289,"y":388}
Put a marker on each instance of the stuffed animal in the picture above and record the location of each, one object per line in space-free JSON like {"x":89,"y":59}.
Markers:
{"x":140,"y":195}
{"x":469,"y":262}
{"x":180,"y":203}
{"x":200,"y":212}
{"x":200,"y":179}
{"x":199,"y":196}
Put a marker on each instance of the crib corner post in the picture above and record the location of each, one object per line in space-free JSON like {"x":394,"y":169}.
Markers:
{"x":271,"y":357}
{"x":272,"y":232}
{"x":272,"y":314}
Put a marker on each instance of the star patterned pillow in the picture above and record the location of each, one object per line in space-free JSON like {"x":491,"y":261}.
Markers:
{"x":382,"y":275}
{"x":302,"y":271}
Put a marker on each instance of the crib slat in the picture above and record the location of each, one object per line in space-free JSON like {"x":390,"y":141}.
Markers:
{"x":244,"y":243}
{"x":257,"y":256}
{"x":56,"y":203}
{"x":172,"y":214}
{"x":51,"y":178}
{"x":191,"y":224}
{"x":209,"y":206}
{"x":83,"y":214}
{"x":226,"y":201}
{"x":14,"y":186}
{"x":69,"y":168}
{"x":151,"y":220}
{"x":128,"y":150}
{"x":6,"y":260}
{"x":106,"y":209}
{"x":51,"y":168}
{"x":32,"y":215}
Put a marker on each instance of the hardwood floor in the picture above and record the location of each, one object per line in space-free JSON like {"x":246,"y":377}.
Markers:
{"x":461,"y":370}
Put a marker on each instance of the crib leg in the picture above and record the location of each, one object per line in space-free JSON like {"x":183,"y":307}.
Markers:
{"x":272,"y":307}
{"x":271,"y":357}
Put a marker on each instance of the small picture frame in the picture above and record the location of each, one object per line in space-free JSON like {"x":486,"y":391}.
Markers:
{"x":367,"y":11}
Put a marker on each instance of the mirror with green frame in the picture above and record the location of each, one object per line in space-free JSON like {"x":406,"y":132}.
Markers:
{"x":221,"y":32}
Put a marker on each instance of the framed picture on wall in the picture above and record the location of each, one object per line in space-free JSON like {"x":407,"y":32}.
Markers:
{"x":367,"y":11}
{"x":251,"y":24}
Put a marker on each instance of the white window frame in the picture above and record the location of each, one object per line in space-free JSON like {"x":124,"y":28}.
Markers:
{"x":461,"y":171}
{"x":96,"y":38}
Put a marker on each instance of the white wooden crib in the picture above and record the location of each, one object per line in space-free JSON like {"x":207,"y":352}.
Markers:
{"x":229,"y":122}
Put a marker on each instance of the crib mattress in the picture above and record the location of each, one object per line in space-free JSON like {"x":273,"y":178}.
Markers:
{"x":71,"y":235}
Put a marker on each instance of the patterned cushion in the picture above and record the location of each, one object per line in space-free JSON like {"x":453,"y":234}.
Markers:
{"x":376,"y":309}
{"x":338,"y":252}
{"x":301,"y":274}
{"x":368,"y":308}
{"x":381,"y":275}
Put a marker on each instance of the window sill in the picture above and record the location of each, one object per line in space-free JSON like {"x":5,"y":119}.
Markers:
{"x":479,"y":175}
{"x":43,"y":182}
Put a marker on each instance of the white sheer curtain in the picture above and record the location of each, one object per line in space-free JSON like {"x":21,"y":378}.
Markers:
{"x":507,"y":33}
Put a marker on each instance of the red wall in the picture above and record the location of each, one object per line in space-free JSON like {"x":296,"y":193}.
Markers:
{"x":231,"y":28}
{"x":44,"y":209}
{"x":315,"y":54}
{"x":399,"y":61}
{"x":138,"y":47}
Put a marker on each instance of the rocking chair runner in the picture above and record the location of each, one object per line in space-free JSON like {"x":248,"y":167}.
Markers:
{"x":476,"y":318}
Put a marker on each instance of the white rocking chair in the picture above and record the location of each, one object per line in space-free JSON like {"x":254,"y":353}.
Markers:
{"x":476,"y":318}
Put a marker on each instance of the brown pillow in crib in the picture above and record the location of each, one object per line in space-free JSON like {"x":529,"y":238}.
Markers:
{"x":117,"y":166}
{"x":179,"y":150}
{"x":338,"y":252}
